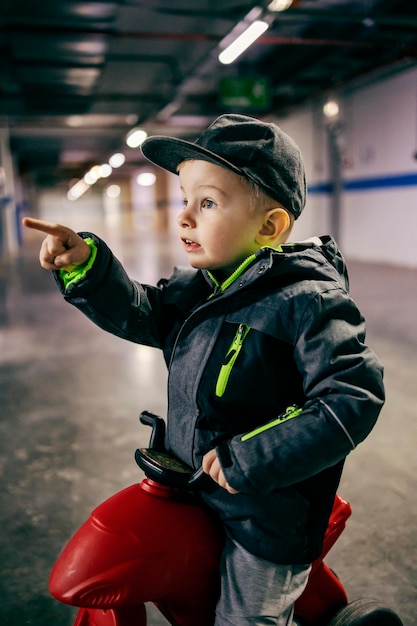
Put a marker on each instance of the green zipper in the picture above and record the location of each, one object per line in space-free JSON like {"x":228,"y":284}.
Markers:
{"x":231,"y":356}
{"x":290,"y":412}
{"x":238,"y":271}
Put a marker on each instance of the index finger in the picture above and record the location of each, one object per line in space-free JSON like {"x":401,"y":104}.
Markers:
{"x":49,"y":228}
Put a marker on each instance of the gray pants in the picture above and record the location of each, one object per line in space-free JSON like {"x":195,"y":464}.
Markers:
{"x":256,"y":592}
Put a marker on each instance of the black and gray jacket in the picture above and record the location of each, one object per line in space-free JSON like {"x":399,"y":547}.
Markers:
{"x":281,"y":332}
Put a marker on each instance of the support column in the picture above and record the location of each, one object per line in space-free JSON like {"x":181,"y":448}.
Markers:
{"x":335,"y":160}
{"x":9,"y":242}
{"x":161,"y":191}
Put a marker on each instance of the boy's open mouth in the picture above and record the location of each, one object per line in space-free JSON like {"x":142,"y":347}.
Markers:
{"x":190,"y":245}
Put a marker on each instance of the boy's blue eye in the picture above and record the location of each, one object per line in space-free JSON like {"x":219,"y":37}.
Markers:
{"x":208,"y":204}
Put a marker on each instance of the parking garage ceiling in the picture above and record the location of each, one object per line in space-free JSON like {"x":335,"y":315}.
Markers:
{"x":76,"y":76}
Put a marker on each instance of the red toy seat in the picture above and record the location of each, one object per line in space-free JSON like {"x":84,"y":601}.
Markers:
{"x":150,"y":543}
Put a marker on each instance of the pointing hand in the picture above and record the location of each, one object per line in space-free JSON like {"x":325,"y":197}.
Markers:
{"x":62,"y":248}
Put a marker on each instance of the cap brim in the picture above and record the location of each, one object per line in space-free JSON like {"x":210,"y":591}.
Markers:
{"x":169,"y":152}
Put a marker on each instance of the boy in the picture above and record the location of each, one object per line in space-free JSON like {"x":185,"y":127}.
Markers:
{"x":270,"y":384}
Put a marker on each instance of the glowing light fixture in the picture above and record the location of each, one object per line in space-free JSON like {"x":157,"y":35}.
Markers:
{"x":77,"y":190}
{"x":75,"y":121}
{"x":117,"y":159}
{"x":243,"y":41}
{"x":146,"y":179}
{"x":131,"y":119}
{"x":136,"y":137}
{"x":279,"y":5}
{"x":92,"y":175}
{"x":331,"y":109}
{"x":113,"y":191}
{"x":105,"y":170}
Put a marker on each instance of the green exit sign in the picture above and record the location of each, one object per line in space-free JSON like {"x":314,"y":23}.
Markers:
{"x":245,"y":93}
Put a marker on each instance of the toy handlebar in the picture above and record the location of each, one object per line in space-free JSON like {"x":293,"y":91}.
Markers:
{"x":160,"y":466}
{"x":157,"y":439}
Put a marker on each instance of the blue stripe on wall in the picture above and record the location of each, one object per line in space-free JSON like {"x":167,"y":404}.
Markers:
{"x":361,"y":184}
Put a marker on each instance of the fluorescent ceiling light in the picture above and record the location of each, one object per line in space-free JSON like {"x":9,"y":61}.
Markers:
{"x":77,"y":190}
{"x":105,"y":170}
{"x":146,"y":179}
{"x":117,"y":159}
{"x":113,"y":191}
{"x":279,"y":5}
{"x":245,"y":39}
{"x":331,"y":109}
{"x":92,"y":175}
{"x":136,"y":137}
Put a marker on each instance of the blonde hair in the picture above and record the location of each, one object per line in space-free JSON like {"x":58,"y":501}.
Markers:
{"x":260,"y":200}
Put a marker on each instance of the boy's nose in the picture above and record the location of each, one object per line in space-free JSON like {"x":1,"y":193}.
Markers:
{"x":185,"y":218}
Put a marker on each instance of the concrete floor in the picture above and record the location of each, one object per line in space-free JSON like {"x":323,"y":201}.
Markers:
{"x":69,"y":400}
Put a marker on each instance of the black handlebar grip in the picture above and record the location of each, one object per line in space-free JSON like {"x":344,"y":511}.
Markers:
{"x":157,"y":438}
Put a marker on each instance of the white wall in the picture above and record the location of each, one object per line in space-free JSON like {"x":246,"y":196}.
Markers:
{"x":379,"y":137}
{"x":381,"y":224}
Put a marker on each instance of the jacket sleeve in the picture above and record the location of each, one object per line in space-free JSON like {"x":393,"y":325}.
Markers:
{"x":344,"y":392}
{"x":119,"y":305}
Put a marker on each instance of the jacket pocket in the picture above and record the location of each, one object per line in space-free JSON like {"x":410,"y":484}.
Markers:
{"x":230,"y":359}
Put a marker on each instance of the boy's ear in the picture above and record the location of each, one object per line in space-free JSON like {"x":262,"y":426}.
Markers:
{"x":276,"y":223}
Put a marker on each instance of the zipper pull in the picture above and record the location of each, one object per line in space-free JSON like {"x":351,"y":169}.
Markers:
{"x":217,"y":289}
{"x":239,"y":337}
{"x":230,"y":358}
{"x":235,"y":345}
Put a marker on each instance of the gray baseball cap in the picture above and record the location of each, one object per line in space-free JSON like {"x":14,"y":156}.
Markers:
{"x":259,"y":151}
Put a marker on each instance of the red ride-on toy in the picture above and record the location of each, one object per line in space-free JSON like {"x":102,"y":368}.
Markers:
{"x":154,"y":542}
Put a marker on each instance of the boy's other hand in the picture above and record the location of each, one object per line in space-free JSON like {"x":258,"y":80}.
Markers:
{"x":62,"y":248}
{"x":212,"y":467}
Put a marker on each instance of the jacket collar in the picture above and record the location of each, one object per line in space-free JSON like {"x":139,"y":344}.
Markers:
{"x":263,"y":253}
{"x":322,"y":249}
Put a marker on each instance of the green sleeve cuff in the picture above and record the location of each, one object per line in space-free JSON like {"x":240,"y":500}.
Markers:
{"x":74,"y":276}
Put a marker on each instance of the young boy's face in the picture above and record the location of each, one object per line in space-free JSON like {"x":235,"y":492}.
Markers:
{"x":216,"y":226}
